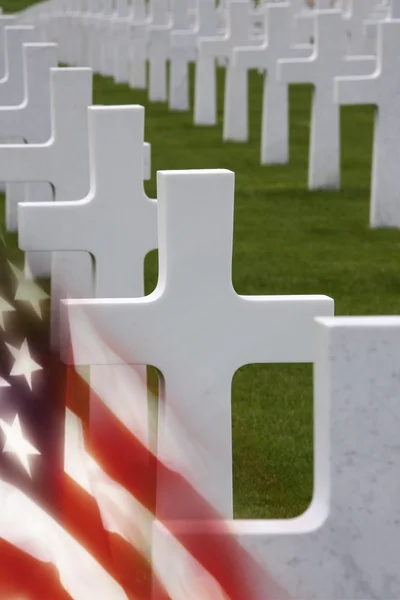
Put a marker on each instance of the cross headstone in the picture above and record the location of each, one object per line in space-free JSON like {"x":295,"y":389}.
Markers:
{"x":345,"y":544}
{"x":120,"y":26}
{"x":302,"y":22}
{"x":63,"y":162}
{"x":30,"y":122}
{"x":158,"y":49}
{"x":357,"y":13}
{"x":197,"y":331}
{"x":382,"y":89}
{"x":12,"y":85}
{"x":275,"y":109}
{"x":116,"y":222}
{"x":184,"y":44}
{"x":179,"y":57}
{"x":327,"y":61}
{"x":85,"y":18}
{"x":394,"y":10}
{"x":94,"y":41}
{"x":138,"y":46}
{"x":105,"y":34}
{"x":238,"y":33}
{"x":12,"y":82}
{"x":4,"y":21}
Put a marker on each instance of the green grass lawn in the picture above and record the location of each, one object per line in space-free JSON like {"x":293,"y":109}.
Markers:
{"x":11,"y":6}
{"x":286,"y":241}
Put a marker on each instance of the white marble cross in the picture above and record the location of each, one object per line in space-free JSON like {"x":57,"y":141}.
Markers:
{"x":355,"y":16}
{"x":382,"y":89}
{"x":179,"y":57}
{"x":93,"y":32}
{"x":275,"y":109}
{"x":394,"y":11}
{"x":120,"y":27}
{"x":158,"y":49}
{"x":116,"y":222}
{"x":197,"y":331}
{"x":345,"y":546}
{"x":4,"y":21}
{"x":30,"y":122}
{"x":106,"y":39}
{"x":63,"y":162}
{"x":237,"y":34}
{"x":327,"y":61}
{"x":12,"y":85}
{"x":12,"y":82}
{"x":185,"y":45}
{"x":138,"y":46}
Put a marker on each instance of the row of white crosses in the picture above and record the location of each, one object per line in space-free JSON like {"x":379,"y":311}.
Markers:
{"x":118,"y":42}
{"x":59,"y":154}
{"x":178,"y":34}
{"x":198,"y":332}
{"x":61,"y":226}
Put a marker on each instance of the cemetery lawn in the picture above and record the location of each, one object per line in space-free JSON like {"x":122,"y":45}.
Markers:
{"x":286,"y":241}
{"x":13,"y":6}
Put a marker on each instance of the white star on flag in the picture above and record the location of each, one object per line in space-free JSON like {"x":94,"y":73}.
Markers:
{"x":24,"y":364}
{"x":4,"y":307}
{"x":17,"y":444}
{"x":28,"y":291}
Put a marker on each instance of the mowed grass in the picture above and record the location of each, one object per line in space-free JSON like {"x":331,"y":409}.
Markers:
{"x":11,"y":6}
{"x":286,"y":241}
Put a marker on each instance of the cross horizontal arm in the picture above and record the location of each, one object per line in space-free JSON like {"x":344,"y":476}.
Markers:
{"x":358,"y":65}
{"x":296,"y":70}
{"x":130,"y":321}
{"x":355,"y":90}
{"x":25,"y":162}
{"x":280,"y":328}
{"x":59,"y":222}
{"x":250,"y":57}
{"x":213,"y":47}
{"x":184,"y":39}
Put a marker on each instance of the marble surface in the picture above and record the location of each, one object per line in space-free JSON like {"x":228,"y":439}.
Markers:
{"x":345,"y":547}
{"x":382,"y":89}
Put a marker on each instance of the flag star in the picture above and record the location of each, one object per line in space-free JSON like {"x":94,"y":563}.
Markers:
{"x":17,"y":444}
{"x":24,"y":364}
{"x":4,"y":307}
{"x":28,"y":291}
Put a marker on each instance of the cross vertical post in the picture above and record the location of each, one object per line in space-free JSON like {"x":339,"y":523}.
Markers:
{"x":381,"y":89}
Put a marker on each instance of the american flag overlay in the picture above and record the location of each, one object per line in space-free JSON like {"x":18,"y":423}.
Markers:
{"x":78,"y":481}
